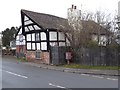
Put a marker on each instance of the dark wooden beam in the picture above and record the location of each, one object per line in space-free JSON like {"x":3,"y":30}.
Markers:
{"x":33,"y":20}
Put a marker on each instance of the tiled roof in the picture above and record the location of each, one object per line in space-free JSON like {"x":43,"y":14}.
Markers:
{"x":47,"y":21}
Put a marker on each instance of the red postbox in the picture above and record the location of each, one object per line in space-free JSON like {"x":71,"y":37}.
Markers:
{"x":68,"y":57}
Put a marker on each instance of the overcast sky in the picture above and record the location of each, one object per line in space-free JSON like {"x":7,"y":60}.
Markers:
{"x":10,"y":9}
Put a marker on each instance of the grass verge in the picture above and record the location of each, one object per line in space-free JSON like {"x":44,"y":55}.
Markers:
{"x":22,"y":59}
{"x":78,"y":66}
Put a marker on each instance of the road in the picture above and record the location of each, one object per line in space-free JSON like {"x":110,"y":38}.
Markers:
{"x":20,"y":75}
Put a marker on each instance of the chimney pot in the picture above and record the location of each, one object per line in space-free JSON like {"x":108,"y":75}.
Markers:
{"x":75,"y":7}
{"x":72,"y":6}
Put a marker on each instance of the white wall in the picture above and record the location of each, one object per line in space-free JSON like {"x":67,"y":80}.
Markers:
{"x":43,"y":36}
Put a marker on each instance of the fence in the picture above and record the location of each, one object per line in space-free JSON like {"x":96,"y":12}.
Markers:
{"x":98,"y":56}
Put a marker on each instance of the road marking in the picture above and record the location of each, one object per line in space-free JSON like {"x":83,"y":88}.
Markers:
{"x":95,"y":70}
{"x":85,"y":74}
{"x":97,"y":76}
{"x":112,"y":79}
{"x":56,"y":85}
{"x":15,"y":74}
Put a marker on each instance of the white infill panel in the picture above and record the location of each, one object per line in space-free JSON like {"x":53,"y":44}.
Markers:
{"x":53,"y":36}
{"x":28,"y":45}
{"x":31,"y":28}
{"x":37,"y":37}
{"x":28,"y":37}
{"x":28,"y":22}
{"x":26,"y":29}
{"x":43,"y":36}
{"x":36,"y":27}
{"x":38,"y":46}
{"x":26,"y":18}
{"x":33,"y":46}
{"x":33,"y":36}
{"x":43,"y":45}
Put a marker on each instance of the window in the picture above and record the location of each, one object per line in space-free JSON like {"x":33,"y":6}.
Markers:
{"x":43,"y":36}
{"x":53,"y":36}
{"x":38,"y":55}
{"x":37,"y":37}
{"x":61,"y":36}
{"x":43,"y":46}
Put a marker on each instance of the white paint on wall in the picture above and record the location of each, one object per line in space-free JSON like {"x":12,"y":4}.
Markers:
{"x":38,"y":46}
{"x":30,"y":28}
{"x":43,"y":45}
{"x":28,"y":37}
{"x":26,"y":18}
{"x":26,"y":29}
{"x":36,"y":27}
{"x":33,"y":36}
{"x":43,"y":36}
{"x":33,"y":46}
{"x":28,"y":45}
{"x":28,"y":22}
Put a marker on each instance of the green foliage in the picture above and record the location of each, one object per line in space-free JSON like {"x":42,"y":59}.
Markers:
{"x":8,"y":35}
{"x":22,"y":59}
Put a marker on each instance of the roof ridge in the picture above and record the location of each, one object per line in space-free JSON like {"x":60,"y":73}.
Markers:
{"x":42,"y":13}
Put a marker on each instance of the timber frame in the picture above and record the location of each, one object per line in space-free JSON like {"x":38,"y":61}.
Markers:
{"x":29,"y":29}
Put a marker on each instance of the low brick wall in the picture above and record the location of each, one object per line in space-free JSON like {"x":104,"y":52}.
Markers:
{"x":30,"y":55}
{"x":44,"y":57}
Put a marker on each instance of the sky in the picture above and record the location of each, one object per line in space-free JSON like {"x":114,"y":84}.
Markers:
{"x":10,"y":9}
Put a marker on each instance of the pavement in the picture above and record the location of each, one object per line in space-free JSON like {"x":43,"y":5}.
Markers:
{"x":77,"y":71}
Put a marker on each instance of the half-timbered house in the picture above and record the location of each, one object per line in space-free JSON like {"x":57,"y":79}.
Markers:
{"x":41,"y":31}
